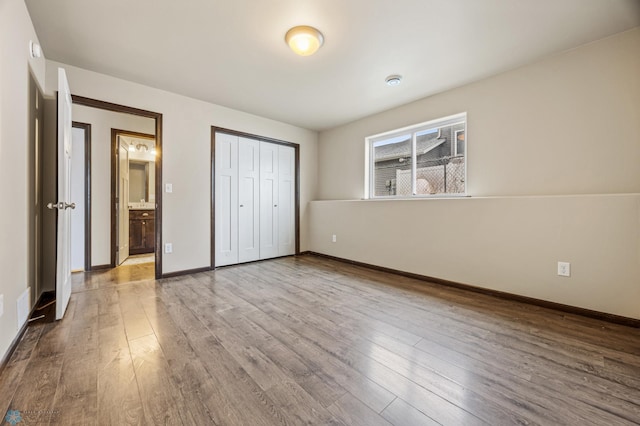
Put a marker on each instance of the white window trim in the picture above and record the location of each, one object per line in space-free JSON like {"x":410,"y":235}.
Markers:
{"x":370,"y":167}
{"x":414,"y":169}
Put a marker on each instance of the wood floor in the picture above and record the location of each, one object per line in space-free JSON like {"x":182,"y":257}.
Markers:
{"x":312,"y":341}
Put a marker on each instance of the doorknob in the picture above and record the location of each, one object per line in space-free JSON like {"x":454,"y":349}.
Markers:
{"x":61,"y":206}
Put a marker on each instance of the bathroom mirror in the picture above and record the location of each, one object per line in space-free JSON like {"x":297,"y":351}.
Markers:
{"x":142,"y":169}
{"x":139,"y":181}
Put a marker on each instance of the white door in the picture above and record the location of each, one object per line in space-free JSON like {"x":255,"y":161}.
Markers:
{"x":248,"y":199}
{"x":286,"y":201}
{"x":123,"y":200}
{"x":63,"y":205}
{"x":268,"y":200}
{"x":226,"y":199}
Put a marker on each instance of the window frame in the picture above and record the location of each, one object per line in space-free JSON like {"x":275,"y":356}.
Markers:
{"x":450,"y":120}
{"x":455,"y":144}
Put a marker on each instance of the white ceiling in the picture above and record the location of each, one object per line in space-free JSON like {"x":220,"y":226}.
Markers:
{"x":232,"y":52}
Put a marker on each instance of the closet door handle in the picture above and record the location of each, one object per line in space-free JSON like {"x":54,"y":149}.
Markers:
{"x":275,"y":205}
{"x":241,"y":205}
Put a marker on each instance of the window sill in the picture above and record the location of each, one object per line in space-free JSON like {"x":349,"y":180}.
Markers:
{"x":419,"y":197}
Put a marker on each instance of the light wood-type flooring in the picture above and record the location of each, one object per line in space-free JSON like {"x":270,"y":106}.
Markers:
{"x":307,"y":340}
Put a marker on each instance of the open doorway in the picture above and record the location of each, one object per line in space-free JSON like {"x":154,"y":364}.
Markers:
{"x":133,"y":197}
{"x":37,"y":285}
{"x":110,"y":229}
{"x":81,"y":194}
{"x":91,"y":238}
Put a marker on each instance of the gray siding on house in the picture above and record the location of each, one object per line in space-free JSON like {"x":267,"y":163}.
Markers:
{"x":434,"y":153}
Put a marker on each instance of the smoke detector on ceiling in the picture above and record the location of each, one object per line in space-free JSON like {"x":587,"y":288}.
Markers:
{"x":393,"y":80}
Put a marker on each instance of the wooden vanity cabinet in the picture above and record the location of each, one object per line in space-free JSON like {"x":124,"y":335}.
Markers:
{"x":142,"y":231}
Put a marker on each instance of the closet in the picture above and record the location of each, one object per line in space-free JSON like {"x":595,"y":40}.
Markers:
{"x":254,"y":199}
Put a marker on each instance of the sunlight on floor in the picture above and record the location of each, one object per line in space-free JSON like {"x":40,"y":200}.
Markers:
{"x":139,"y":259}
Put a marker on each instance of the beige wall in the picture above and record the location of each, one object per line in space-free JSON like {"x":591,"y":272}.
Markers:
{"x":510,"y":244}
{"x":16,"y":30}
{"x":569,"y":124}
{"x":541,"y":139}
{"x":101,"y":124}
{"x":186,"y":156}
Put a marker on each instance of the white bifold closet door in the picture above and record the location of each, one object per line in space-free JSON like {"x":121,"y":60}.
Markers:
{"x":286,"y":201}
{"x":249,"y":200}
{"x":277,"y":200}
{"x":254,"y":200}
{"x":226,"y":199}
{"x":268,"y":200}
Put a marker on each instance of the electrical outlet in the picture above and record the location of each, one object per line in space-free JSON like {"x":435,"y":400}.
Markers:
{"x":1,"y":304}
{"x":334,"y":238}
{"x":168,"y":248}
{"x":564,"y":269}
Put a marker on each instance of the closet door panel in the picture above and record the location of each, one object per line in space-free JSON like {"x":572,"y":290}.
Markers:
{"x":248,"y":199}
{"x":268,"y":200}
{"x":226,"y":199}
{"x":286,"y":201}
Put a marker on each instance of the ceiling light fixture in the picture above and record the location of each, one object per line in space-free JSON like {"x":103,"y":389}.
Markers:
{"x":304,"y":40}
{"x":393,"y":80}
{"x":142,"y":147}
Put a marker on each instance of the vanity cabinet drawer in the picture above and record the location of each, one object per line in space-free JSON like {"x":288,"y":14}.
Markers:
{"x":142,"y":214}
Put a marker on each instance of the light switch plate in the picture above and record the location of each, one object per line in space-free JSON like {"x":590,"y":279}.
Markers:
{"x":168,"y":248}
{"x":1,"y":304}
{"x":168,"y":188}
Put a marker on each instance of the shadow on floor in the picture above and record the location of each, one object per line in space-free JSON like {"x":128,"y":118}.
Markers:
{"x":45,"y":310}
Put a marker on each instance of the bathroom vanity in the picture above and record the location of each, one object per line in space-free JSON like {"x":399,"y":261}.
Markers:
{"x":142,"y":231}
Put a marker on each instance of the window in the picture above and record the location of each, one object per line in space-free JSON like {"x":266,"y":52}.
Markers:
{"x":422,"y":160}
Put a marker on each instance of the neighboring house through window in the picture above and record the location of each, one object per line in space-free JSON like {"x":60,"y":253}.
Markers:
{"x":421,"y":160}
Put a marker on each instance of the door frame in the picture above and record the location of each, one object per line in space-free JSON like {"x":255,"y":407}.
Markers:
{"x":87,"y":191}
{"x":296,"y":148}
{"x":94,"y":103}
{"x":115,"y":175}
